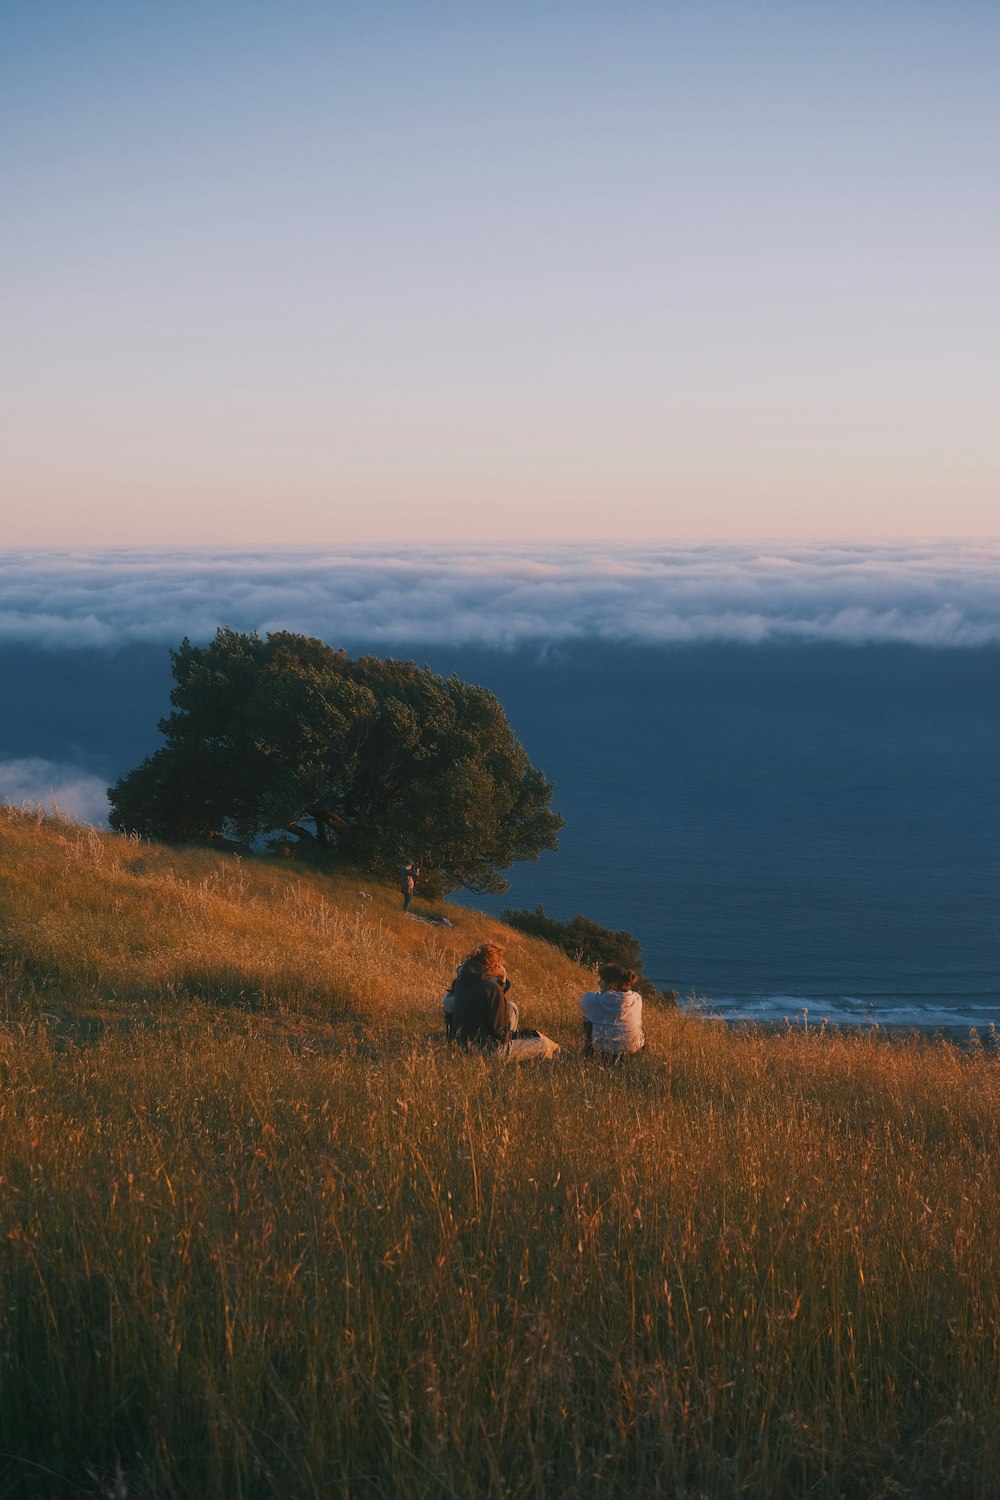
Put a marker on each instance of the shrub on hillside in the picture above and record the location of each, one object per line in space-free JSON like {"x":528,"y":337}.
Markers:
{"x":587,"y":942}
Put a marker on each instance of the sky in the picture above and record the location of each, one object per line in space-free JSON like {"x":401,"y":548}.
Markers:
{"x":338,"y":274}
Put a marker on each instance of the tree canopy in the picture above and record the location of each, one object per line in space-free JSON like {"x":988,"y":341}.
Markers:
{"x":380,"y":760}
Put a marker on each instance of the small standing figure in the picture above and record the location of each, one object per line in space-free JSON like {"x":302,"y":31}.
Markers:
{"x":407,"y":880}
{"x":612,"y":1015}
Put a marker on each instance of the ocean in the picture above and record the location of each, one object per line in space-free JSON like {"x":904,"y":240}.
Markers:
{"x":791,"y":830}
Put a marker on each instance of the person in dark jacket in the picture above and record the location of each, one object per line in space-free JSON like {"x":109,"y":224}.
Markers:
{"x":482,"y":1016}
{"x":407,"y":880}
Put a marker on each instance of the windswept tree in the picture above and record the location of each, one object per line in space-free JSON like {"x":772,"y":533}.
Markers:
{"x":377,"y":759}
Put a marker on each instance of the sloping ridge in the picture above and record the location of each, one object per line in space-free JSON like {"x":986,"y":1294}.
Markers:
{"x":98,"y":928}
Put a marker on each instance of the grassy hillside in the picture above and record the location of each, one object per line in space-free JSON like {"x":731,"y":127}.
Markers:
{"x":264,"y":1235}
{"x":100,"y":926}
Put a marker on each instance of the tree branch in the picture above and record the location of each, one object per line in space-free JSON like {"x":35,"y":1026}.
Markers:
{"x":301,"y":833}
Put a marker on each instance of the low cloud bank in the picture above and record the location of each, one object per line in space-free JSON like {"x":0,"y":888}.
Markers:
{"x":926,"y":595}
{"x":53,"y":786}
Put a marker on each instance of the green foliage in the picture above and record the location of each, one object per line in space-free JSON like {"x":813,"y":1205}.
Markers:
{"x":583,"y":939}
{"x":379,"y":760}
{"x":588,"y":943}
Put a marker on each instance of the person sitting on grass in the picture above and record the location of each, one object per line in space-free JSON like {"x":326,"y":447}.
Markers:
{"x":612,"y":1015}
{"x":481,"y":1014}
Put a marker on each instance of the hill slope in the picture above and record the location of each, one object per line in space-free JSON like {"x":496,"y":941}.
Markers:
{"x":262,"y":1236}
{"x":101,"y":927}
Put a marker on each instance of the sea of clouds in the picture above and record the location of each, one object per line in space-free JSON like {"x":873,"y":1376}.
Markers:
{"x":933,"y":595}
{"x":53,"y":786}
{"x":502,"y":598}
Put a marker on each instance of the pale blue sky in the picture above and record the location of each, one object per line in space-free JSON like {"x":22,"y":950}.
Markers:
{"x":360,"y":272}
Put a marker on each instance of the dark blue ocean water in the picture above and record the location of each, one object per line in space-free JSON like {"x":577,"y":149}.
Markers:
{"x":787,"y":829}
{"x":784,"y":828}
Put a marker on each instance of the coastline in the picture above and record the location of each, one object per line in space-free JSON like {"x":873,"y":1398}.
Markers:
{"x":967,"y":1037}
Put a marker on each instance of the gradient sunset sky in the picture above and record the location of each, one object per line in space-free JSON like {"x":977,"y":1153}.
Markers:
{"x":354,"y":272}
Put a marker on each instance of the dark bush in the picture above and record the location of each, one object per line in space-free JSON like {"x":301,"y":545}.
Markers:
{"x":588,"y":943}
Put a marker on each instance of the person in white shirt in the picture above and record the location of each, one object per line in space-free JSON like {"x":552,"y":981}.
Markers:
{"x":612,"y":1015}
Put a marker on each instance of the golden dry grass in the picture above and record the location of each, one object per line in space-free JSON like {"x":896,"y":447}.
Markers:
{"x":108,"y":925}
{"x":262,"y":1235}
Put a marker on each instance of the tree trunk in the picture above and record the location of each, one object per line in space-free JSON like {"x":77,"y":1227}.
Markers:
{"x":302,"y":834}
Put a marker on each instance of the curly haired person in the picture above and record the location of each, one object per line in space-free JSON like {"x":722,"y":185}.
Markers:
{"x":479,"y":1014}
